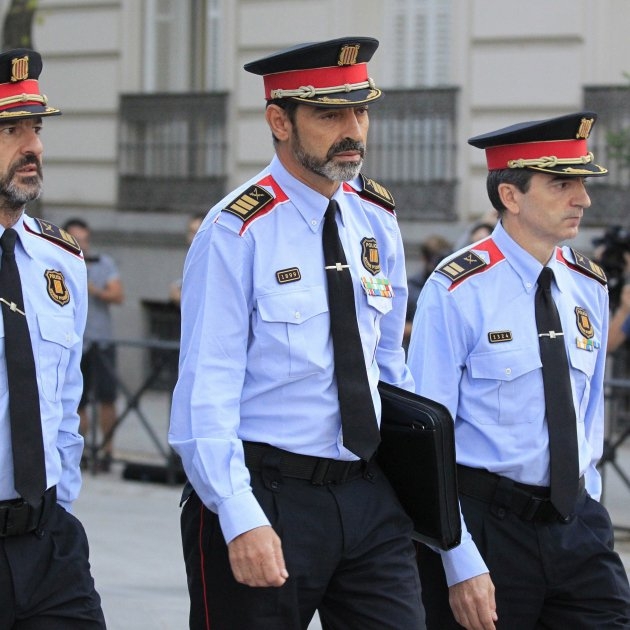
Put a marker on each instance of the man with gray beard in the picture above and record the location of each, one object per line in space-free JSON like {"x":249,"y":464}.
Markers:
{"x":293,"y":308}
{"x":45,"y":580}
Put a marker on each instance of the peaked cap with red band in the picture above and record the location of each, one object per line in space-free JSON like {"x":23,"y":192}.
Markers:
{"x":556,"y":145}
{"x":20,"y":96}
{"x":324,"y":74}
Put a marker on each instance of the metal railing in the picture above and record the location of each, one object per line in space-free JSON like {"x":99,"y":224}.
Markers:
{"x":164,"y":463}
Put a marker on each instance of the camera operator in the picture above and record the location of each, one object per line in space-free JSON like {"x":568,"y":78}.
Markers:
{"x":613,"y":255}
{"x":614,"y":258}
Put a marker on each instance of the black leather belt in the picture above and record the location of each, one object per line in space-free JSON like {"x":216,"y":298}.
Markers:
{"x":17,"y":517}
{"x":531,"y":503}
{"x":318,"y":470}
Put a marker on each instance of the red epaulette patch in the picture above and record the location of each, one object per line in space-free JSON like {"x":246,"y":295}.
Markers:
{"x":57,"y":235}
{"x":470,"y":262}
{"x":377,"y":193}
{"x":584,"y":265}
{"x":256,"y":201}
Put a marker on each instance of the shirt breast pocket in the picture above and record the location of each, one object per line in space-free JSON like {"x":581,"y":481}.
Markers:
{"x":583,"y":365}
{"x":291,"y":335}
{"x":507,"y":386}
{"x":57,"y":337}
{"x":381,"y":304}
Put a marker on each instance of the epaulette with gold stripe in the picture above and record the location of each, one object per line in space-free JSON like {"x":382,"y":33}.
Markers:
{"x":58,"y":235}
{"x":461,"y":266}
{"x":375,"y":192}
{"x":587,"y":267}
{"x":249,"y":202}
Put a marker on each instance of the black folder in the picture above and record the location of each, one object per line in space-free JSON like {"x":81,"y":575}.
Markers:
{"x":417,"y":454}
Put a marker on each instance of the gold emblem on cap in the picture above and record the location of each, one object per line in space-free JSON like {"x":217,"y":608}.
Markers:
{"x":19,"y":68}
{"x":585,"y":128}
{"x":348,"y":55}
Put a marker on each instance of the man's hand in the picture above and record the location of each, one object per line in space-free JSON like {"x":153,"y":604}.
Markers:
{"x":256,"y":558}
{"x":472,"y":602}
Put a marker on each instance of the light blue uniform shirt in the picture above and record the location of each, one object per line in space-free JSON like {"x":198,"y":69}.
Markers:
{"x":256,"y":359}
{"x":56,"y":330}
{"x":474,"y":347}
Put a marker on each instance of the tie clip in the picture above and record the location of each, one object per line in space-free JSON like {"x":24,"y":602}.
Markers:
{"x":552,"y":334}
{"x":12,"y":306}
{"x":338,"y":267}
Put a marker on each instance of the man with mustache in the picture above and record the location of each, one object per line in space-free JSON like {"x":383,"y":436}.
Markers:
{"x":45,"y":579}
{"x":286,"y":511}
{"x":510,"y":334}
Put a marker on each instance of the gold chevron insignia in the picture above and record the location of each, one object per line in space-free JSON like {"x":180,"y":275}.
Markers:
{"x":459,"y":267}
{"x":251,"y":201}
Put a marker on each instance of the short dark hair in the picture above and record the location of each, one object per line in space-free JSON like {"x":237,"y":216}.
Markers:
{"x":519,"y":177}
{"x":75,"y":222}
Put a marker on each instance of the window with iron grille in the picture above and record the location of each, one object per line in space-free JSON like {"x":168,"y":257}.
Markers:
{"x":172,"y":151}
{"x":412,"y":148}
{"x":412,"y":151}
{"x":610,"y":143}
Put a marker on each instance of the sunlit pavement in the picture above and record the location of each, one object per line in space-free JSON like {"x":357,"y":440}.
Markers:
{"x":133,"y":529}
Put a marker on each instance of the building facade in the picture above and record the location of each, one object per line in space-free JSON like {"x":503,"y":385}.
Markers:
{"x":160,"y":120}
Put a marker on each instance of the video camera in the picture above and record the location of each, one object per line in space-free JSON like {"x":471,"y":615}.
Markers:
{"x":616,"y":243}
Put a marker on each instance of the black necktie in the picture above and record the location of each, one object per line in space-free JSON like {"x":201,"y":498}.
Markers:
{"x":561,"y":422}
{"x":29,"y":467}
{"x":358,"y":420}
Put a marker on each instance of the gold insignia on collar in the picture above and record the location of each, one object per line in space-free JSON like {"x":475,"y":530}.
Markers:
{"x":252,"y":200}
{"x":348,"y":55}
{"x":59,"y":236}
{"x":19,"y":69}
{"x":587,"y":266}
{"x":462,"y":265}
{"x":376,"y":191}
{"x":56,"y":285}
{"x":584,"y":323}
{"x":369,"y":255}
{"x":585,"y":128}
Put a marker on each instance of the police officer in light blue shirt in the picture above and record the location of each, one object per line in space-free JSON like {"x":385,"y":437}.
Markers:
{"x":475,"y":348}
{"x":45,"y":579}
{"x":278,"y":500}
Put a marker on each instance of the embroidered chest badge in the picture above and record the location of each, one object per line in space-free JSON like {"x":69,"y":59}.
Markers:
{"x":586,"y":341}
{"x":369,"y":255}
{"x":583,"y":322}
{"x":57,"y":288}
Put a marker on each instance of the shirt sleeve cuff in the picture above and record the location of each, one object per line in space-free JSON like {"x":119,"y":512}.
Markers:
{"x":240,"y":513}
{"x":463,"y":562}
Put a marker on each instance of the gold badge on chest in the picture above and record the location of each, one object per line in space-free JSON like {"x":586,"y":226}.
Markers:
{"x":369,"y":255}
{"x":57,"y":288}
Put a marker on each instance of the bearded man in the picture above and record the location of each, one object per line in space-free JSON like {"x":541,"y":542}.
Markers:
{"x":293,"y":308}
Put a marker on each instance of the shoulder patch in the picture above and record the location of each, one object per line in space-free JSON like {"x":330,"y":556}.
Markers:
{"x":57,"y":235}
{"x":375,"y":192}
{"x":463,"y":265}
{"x":588,"y":267}
{"x":249,"y":202}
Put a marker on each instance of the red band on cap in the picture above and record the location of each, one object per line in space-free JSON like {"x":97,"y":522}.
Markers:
{"x":498,"y":157}
{"x":317,"y":77}
{"x":30,"y":86}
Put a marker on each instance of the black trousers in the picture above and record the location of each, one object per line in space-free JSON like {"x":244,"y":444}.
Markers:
{"x":348,"y":552}
{"x":45,"y":580}
{"x":547,"y":575}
